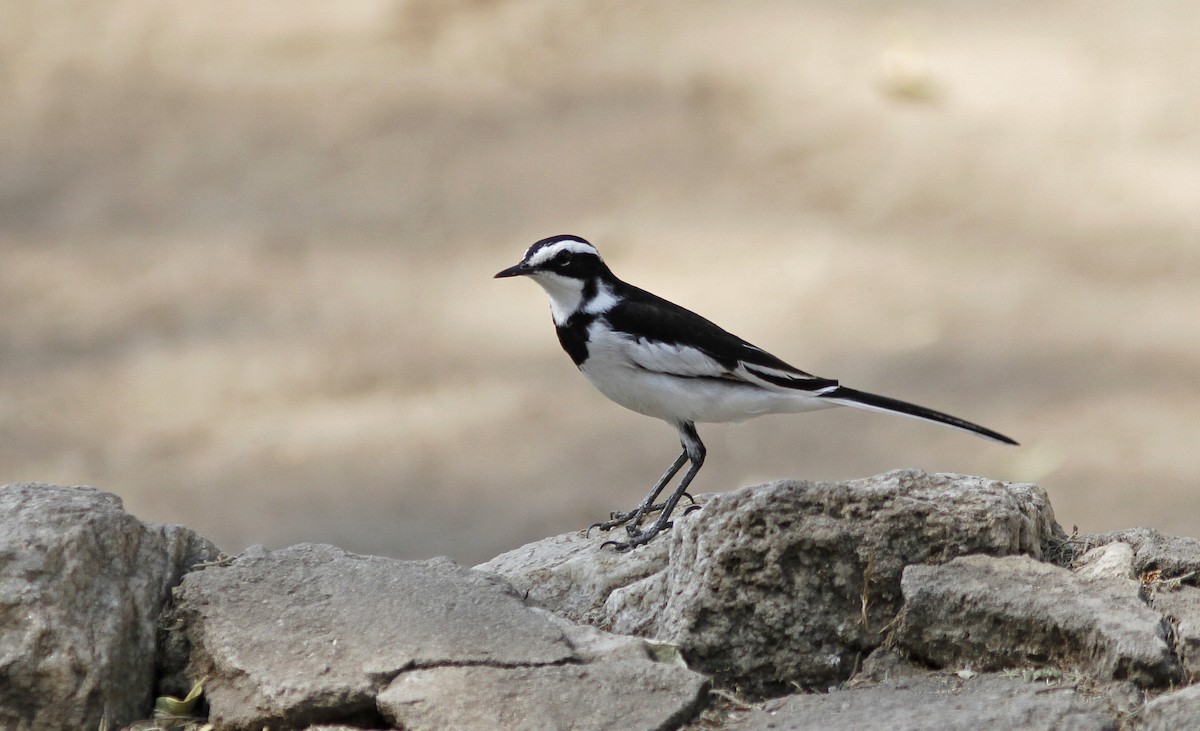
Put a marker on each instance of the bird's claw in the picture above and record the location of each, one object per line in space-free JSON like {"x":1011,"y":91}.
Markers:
{"x":616,"y":520}
{"x":638,"y":539}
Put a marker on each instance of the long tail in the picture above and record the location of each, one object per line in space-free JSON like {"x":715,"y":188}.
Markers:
{"x":874,"y":402}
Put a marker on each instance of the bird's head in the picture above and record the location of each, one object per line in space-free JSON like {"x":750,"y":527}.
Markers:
{"x":568,"y":268}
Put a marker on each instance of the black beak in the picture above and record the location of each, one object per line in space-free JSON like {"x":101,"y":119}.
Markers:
{"x":514,"y":271}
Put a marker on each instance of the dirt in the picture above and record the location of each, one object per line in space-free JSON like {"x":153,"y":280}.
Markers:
{"x":246,"y":253}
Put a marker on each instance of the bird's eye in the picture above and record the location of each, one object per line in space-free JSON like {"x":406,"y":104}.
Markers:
{"x":563,"y":258}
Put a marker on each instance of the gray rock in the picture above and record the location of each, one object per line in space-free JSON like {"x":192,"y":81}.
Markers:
{"x":593,"y":645}
{"x":990,"y":613}
{"x":82,"y":584}
{"x":1181,"y":607}
{"x":1173,"y":711}
{"x":1173,"y":556}
{"x":788,"y":582}
{"x":943,"y":702}
{"x":312,"y":634}
{"x":1111,"y":561}
{"x":572,"y":575}
{"x":626,"y":695}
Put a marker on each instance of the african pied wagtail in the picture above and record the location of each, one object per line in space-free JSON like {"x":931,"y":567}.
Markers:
{"x":658,"y":359}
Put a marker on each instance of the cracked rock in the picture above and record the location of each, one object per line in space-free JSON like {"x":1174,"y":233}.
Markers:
{"x":990,"y":613}
{"x":571,"y":574}
{"x":618,"y":695}
{"x":784,"y":583}
{"x":1181,"y":607}
{"x":934,"y":701}
{"x":82,"y":583}
{"x":1173,"y":711}
{"x":311,"y":634}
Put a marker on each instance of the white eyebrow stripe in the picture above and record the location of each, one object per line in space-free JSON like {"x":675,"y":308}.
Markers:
{"x":548,"y":252}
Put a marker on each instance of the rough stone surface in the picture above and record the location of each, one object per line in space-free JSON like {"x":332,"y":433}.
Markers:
{"x":312,"y":634}
{"x":1173,"y":711}
{"x":788,"y":582}
{"x":1181,"y":607}
{"x":572,"y":575}
{"x":1173,"y":556}
{"x":989,"y":613}
{"x":621,"y":695}
{"x":1110,"y":561}
{"x":943,"y":702}
{"x":82,"y":583}
{"x":765,"y":586}
{"x":593,"y":645}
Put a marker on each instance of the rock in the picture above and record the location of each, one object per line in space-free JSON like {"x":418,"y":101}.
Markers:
{"x":991,"y":613}
{"x":593,"y":645}
{"x":1173,"y":711}
{"x":82,"y":583}
{"x":886,"y":663}
{"x":1181,"y":607}
{"x":1111,"y":561}
{"x":933,"y":701}
{"x":572,"y":575}
{"x":312,"y":634}
{"x":616,"y":695}
{"x":1172,"y":556}
{"x":783,"y":583}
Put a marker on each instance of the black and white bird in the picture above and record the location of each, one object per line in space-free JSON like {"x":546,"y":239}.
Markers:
{"x":661,"y":360}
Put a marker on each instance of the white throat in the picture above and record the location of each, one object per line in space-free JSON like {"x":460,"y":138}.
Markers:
{"x":566,"y":297}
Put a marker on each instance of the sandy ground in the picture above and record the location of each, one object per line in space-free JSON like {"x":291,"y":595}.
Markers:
{"x":245,"y":251}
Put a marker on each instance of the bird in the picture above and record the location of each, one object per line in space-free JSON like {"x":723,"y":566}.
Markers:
{"x":657,"y":358}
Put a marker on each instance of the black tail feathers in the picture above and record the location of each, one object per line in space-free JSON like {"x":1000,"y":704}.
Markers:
{"x":875,"y":402}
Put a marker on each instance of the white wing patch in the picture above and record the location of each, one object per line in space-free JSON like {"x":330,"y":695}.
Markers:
{"x":688,"y":362}
{"x":677,"y":360}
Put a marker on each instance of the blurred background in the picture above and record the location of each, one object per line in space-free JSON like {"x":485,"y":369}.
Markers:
{"x":246,"y":251}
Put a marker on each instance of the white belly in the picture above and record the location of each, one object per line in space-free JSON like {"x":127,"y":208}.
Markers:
{"x":681,"y":398}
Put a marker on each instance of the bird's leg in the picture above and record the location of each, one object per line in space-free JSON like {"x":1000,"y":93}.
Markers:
{"x":647,"y":505}
{"x":693,"y":450}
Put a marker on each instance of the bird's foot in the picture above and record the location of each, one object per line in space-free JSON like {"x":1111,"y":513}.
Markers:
{"x":616,"y":518}
{"x":638,"y":539}
{"x":634,"y":527}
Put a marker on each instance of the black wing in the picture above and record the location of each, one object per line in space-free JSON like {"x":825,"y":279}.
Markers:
{"x":676,"y":340}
